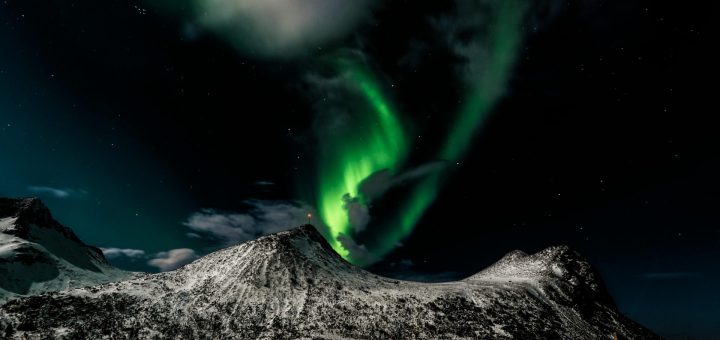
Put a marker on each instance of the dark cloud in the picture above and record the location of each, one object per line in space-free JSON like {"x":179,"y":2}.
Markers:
{"x":337,"y":102}
{"x":375,"y":186}
{"x":359,"y":254}
{"x":382,"y":181}
{"x":474,"y":29}
{"x":371,"y":188}
{"x":467,"y":32}
{"x":358,"y":213}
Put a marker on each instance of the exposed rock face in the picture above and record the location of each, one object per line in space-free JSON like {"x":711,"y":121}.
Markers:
{"x":38,"y":254}
{"x":293,"y":285}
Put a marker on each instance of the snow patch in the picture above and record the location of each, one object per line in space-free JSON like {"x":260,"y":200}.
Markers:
{"x":498,"y":329}
{"x":7,"y":223}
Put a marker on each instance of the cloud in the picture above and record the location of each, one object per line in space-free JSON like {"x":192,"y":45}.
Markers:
{"x":359,"y":254}
{"x":57,"y":193}
{"x":358,"y":212}
{"x":375,"y":186}
{"x":193,"y":235}
{"x":469,"y":32}
{"x":263,"y":218}
{"x":337,"y":102}
{"x":380,"y":182}
{"x":173,"y":259}
{"x":112,"y":253}
{"x":480,"y":32}
{"x":281,"y":28}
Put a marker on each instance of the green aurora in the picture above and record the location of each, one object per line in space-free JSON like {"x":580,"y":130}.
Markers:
{"x":383,"y":145}
{"x":352,"y":158}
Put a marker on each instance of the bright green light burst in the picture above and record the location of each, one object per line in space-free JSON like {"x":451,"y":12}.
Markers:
{"x":375,"y":141}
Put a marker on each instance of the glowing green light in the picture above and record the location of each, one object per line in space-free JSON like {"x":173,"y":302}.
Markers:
{"x":505,"y":40}
{"x":504,"y":44}
{"x":377,"y":142}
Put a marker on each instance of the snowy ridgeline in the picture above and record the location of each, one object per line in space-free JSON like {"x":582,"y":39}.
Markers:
{"x":38,"y":255}
{"x":292,"y":285}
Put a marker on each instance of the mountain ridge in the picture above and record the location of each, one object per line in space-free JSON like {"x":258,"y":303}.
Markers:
{"x":292,"y":285}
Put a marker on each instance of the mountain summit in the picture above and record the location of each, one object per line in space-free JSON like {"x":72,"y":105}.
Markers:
{"x":38,"y":254}
{"x":293,"y":285}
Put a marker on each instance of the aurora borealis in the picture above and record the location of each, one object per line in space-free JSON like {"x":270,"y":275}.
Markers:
{"x":379,"y":142}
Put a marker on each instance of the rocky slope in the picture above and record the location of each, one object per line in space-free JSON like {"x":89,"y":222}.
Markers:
{"x":38,"y":254}
{"x":292,"y":285}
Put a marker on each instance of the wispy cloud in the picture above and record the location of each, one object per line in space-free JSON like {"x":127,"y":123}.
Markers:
{"x":262,"y":218}
{"x":56,"y":192}
{"x":173,"y":259}
{"x":281,"y":28}
{"x":112,"y":253}
{"x":376,"y":185}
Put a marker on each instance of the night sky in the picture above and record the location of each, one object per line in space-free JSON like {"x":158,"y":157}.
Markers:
{"x":163,"y":130}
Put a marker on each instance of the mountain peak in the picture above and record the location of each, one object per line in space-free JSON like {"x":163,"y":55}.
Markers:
{"x":38,"y":254}
{"x":309,"y":234}
{"x":513,"y":256}
{"x":20,"y":204}
{"x":557,"y":270}
{"x":285,"y":259}
{"x":547,"y":261}
{"x":31,"y":216}
{"x":307,"y":231}
{"x":30,"y":208}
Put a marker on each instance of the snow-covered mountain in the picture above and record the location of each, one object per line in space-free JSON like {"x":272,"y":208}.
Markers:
{"x":293,"y":285}
{"x":38,"y":254}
